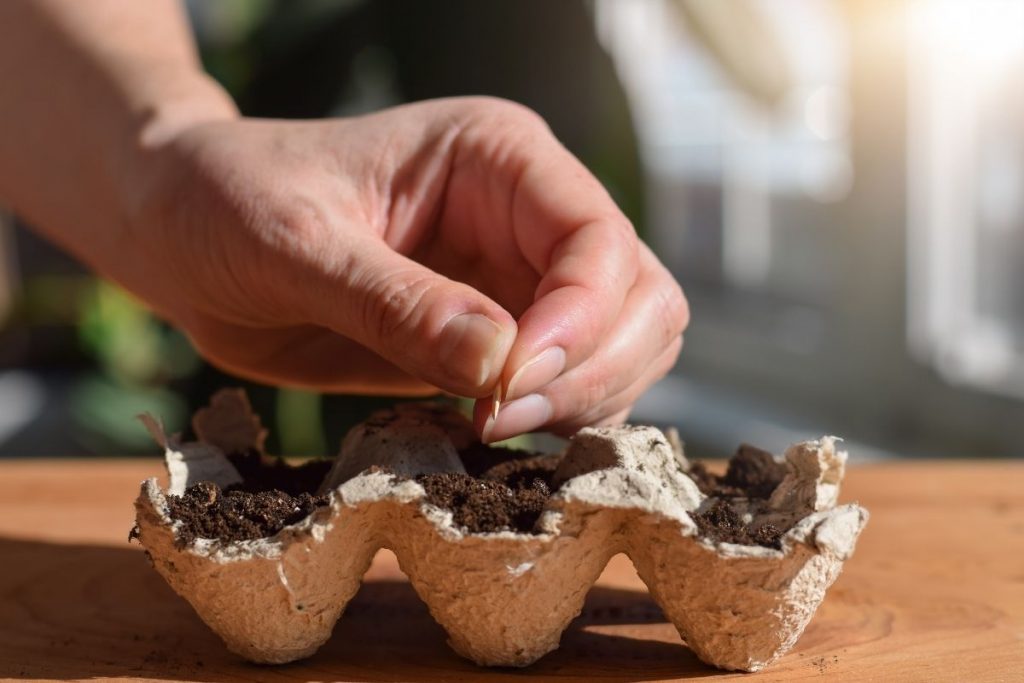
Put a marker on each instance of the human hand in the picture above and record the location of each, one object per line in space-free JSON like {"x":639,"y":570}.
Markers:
{"x":451,"y":244}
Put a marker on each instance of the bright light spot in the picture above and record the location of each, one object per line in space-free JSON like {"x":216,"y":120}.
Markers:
{"x":987,"y":33}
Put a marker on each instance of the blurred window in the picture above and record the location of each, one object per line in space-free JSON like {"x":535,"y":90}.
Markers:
{"x":742,"y":111}
{"x":726,"y":168}
{"x":966,"y":191}
{"x":839,"y":187}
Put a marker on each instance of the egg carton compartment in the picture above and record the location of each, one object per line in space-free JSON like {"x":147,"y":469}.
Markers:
{"x":501,"y":545}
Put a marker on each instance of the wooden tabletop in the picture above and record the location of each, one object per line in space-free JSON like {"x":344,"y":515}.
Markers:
{"x":935,"y":592}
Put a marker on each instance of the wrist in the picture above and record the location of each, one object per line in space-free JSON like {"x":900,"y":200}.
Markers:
{"x":153,"y":173}
{"x":196,"y":101}
{"x":145,"y":168}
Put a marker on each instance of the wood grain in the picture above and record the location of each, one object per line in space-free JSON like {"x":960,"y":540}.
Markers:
{"x":935,"y":592}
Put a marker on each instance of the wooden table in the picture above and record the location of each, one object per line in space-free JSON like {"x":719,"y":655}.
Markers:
{"x":935,"y":592}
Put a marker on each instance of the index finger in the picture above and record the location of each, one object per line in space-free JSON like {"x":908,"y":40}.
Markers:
{"x":573,"y":234}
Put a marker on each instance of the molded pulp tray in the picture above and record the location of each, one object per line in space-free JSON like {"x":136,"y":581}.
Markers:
{"x":504,"y":598}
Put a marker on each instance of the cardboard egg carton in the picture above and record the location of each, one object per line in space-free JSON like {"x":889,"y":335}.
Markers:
{"x":504,"y":597}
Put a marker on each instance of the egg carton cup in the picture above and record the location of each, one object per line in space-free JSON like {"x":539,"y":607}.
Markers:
{"x":503,"y":598}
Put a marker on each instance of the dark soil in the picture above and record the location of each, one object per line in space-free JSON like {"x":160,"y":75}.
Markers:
{"x":503,"y":490}
{"x":752,"y":473}
{"x":747,"y":485}
{"x":272,"y":495}
{"x":237,"y":515}
{"x":480,"y":458}
{"x":721,"y":522}
{"x":259,"y":474}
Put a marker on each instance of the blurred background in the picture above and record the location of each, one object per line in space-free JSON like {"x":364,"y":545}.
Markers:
{"x":838,"y":185}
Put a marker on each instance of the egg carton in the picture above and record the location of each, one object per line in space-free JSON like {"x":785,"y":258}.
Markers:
{"x":504,"y":598}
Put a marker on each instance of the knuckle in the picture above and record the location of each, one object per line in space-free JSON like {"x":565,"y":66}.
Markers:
{"x":615,"y":270}
{"x":510,"y":110}
{"x":393,"y":309}
{"x":624,"y":232}
{"x":617,"y":235}
{"x":618,"y":267}
{"x":625,"y":242}
{"x":603,"y":280}
{"x":672,"y":310}
{"x":499,"y":122}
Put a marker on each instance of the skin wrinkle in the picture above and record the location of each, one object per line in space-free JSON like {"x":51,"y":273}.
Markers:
{"x":379,"y":216}
{"x":466,"y":246}
{"x":467,"y":163}
{"x":539,"y":262}
{"x":494,"y":153}
{"x":518,"y":175}
{"x":451,"y":132}
{"x":434,"y":183}
{"x":551,"y":281}
{"x":391,"y":310}
{"x":517,"y":181}
{"x":668,"y":302}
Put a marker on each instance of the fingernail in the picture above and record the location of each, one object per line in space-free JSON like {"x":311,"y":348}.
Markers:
{"x":469,"y":344}
{"x":536,"y":372}
{"x":518,"y":417}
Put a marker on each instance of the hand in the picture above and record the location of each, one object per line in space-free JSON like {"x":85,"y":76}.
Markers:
{"x":451,"y":244}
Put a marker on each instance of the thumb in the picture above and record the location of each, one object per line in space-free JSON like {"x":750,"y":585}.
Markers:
{"x":439,"y":330}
